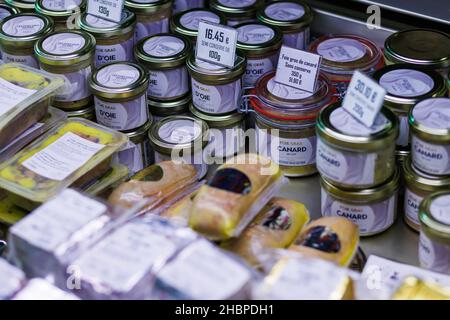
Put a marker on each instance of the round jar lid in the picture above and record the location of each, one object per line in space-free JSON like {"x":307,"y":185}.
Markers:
{"x":147,"y":6}
{"x":24,"y":29}
{"x":58,"y":8}
{"x":163,"y":51}
{"x":214,"y":74}
{"x":434,"y":215}
{"x":217,"y":121}
{"x":431,"y":117}
{"x":424,"y":47}
{"x":186,"y":22}
{"x":103,"y":29}
{"x":6,"y":11}
{"x":235,"y":8}
{"x":119,"y":80}
{"x":289,"y":16}
{"x":256,"y":39}
{"x":422,"y":180}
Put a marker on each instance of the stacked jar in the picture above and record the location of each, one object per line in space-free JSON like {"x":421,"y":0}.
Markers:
{"x":359,"y":177}
{"x":6,"y":11}
{"x":236,"y":11}
{"x":63,"y":13}
{"x":22,"y":5}
{"x":184,"y":5}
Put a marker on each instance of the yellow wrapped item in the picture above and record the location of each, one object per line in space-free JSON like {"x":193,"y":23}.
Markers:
{"x":416,"y":289}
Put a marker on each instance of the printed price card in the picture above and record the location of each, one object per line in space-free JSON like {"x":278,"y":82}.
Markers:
{"x":298,"y":69}
{"x":364,"y":98}
{"x":216,"y":43}
{"x":106,"y":9}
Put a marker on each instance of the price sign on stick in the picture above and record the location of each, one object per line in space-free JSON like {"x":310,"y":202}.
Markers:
{"x":216,"y":43}
{"x":106,"y":9}
{"x":364,"y":98}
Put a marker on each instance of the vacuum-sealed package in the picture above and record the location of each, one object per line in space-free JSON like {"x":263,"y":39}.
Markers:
{"x":276,"y":226}
{"x":417,"y":289}
{"x":103,"y":186}
{"x":39,"y":289}
{"x":123,"y":264}
{"x":203,"y":271}
{"x":11,"y":279}
{"x":329,"y":238}
{"x":239,"y":189}
{"x":70,"y":154}
{"x":25,"y":94}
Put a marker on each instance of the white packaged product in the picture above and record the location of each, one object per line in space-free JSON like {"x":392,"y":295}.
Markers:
{"x":39,"y":289}
{"x":11,"y":279}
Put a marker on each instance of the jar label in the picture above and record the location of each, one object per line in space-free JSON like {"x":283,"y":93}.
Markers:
{"x":341,"y":49}
{"x":256,"y":68}
{"x":63,"y":43}
{"x":411,"y":206}
{"x":237,"y":3}
{"x":23,"y":26}
{"x":124,"y":115}
{"x":113,"y":53}
{"x":118,"y":75}
{"x":180,"y":131}
{"x":430,"y":158}
{"x":344,"y":122}
{"x":163,"y":46}
{"x":145,"y":29}
{"x":12,"y":95}
{"x":60,"y":5}
{"x":4,"y":13}
{"x":298,"y":40}
{"x":169,"y":83}
{"x":255,"y":34}
{"x":285,"y":11}
{"x":407,"y":82}
{"x":216,"y":99}
{"x":286,"y":92}
{"x":183,"y":5}
{"x":439,"y":209}
{"x":30,"y":61}
{"x":63,"y":157}
{"x":191,"y":19}
{"x":434,"y":255}
{"x":433,"y":113}
{"x":76,"y":86}
{"x":403,"y":137}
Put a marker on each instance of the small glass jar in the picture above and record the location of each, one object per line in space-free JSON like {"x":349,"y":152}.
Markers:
{"x":285,"y":122}
{"x":184,"y":5}
{"x":152,"y":16}
{"x":164,"y":56}
{"x":163,"y":109}
{"x":69,"y":54}
{"x":226,"y":134}
{"x":236,"y":11}
{"x":186,"y":23}
{"x":216,"y":89}
{"x":351,"y":155}
{"x":19,"y":33}
{"x":430,"y":136}
{"x":260,"y":45}
{"x":119,"y":90}
{"x":434,"y":244}
{"x":292,"y":17}
{"x":373,"y":210}
{"x":6,"y":11}
{"x":86,"y":113}
{"x":421,"y":47}
{"x":418,"y":185}
{"x":25,"y":6}
{"x":343,"y":54}
{"x":115,"y":41}
{"x":62,"y":12}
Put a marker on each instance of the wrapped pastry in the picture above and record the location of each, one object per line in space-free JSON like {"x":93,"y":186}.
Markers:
{"x":416,"y":289}
{"x":39,"y":289}
{"x":330,"y":238}
{"x":11,"y":279}
{"x":239,"y":189}
{"x":276,"y":226}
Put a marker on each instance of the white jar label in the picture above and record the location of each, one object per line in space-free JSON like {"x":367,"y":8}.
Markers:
{"x":150,"y":28}
{"x":411,"y":206}
{"x":285,"y":11}
{"x":341,"y":49}
{"x":118,"y":75}
{"x":430,"y":158}
{"x":113,"y":53}
{"x":163,"y":46}
{"x":255,"y":34}
{"x":403,"y":137}
{"x":407,"y":82}
{"x":62,"y":157}
{"x":433,"y":113}
{"x":12,"y":95}
{"x":434,"y":255}
{"x":192,"y":19}
{"x":23,"y":26}
{"x":256,"y":68}
{"x":180,"y":131}
{"x":216,"y":99}
{"x":63,"y":43}
{"x":76,"y":86}
{"x":30,"y":61}
{"x":439,"y":209}
{"x":168,"y":83}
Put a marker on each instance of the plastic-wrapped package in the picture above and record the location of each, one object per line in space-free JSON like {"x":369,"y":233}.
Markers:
{"x":122,"y":265}
{"x":416,"y":289}
{"x":39,"y":289}
{"x":11,"y":279}
{"x":203,"y":271}
{"x":329,"y":238}
{"x":276,"y":226}
{"x":103,"y":186}
{"x":239,"y":189}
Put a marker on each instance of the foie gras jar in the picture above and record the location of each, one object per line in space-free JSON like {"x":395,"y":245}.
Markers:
{"x":164,"y":56}
{"x":351,"y":155}
{"x":161,"y":109}
{"x":405,"y":86}
{"x":62,"y":12}
{"x":6,"y":11}
{"x":418,"y":185}
{"x":69,"y":54}
{"x":184,"y":5}
{"x":120,"y":97}
{"x":236,"y":11}
{"x":434,"y":243}
{"x":216,"y":89}
{"x":285,"y":120}
{"x":421,"y":47}
{"x":152,"y":16}
{"x":260,"y":44}
{"x":343,"y":54}
{"x":25,"y":6}
{"x":18,"y":35}
{"x":292,"y":17}
{"x":373,"y":209}
{"x":115,"y":41}
{"x":430,"y":136}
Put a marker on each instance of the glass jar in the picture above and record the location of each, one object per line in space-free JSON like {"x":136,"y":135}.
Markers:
{"x":373,"y":210}
{"x":343,"y":54}
{"x":236,"y":11}
{"x":430,"y":136}
{"x":86,"y":113}
{"x":285,"y":122}
{"x":186,"y":23}
{"x":216,"y":89}
{"x":164,"y":56}
{"x":418,"y":185}
{"x":119,"y":90}
{"x":19,"y":33}
{"x":6,"y":11}
{"x":292,"y":17}
{"x":62,"y":12}
{"x":434,"y":244}
{"x":184,"y":5}
{"x":152,"y":16}
{"x":162,"y":109}
{"x":115,"y":41}
{"x":25,"y":6}
{"x":351,"y":155}
{"x":69,"y":54}
{"x":260,"y":45}
{"x":405,"y":86}
{"x":421,"y":47}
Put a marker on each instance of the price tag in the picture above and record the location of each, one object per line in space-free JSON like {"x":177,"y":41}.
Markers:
{"x":106,"y":9}
{"x":298,"y":69}
{"x":364,"y":98}
{"x":216,"y":43}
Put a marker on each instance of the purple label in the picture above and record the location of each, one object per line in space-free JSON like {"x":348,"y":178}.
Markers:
{"x":170,"y":83}
{"x":434,"y":255}
{"x":118,"y":75}
{"x":163,"y":46}
{"x":255,"y":34}
{"x":114,"y":53}
{"x":346,"y":123}
{"x":285,"y":11}
{"x":433,"y":113}
{"x":341,"y":49}
{"x":406,"y":82}
{"x":23,"y":26}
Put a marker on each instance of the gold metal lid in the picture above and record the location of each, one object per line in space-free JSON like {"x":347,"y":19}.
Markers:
{"x":217,"y":121}
{"x":34,"y":26}
{"x":434,"y":217}
{"x":422,"y":180}
{"x":25,"y":5}
{"x":212,"y":74}
{"x":104,"y":29}
{"x":86,"y":113}
{"x":147,"y":6}
{"x":139,"y":134}
{"x":162,"y":51}
{"x":169,"y":108}
{"x":57,"y":9}
{"x":256,"y":39}
{"x":236,"y":9}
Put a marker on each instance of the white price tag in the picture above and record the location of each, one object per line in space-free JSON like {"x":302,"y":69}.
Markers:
{"x":364,"y":98}
{"x":106,"y":9}
{"x":298,"y":69}
{"x":216,"y":43}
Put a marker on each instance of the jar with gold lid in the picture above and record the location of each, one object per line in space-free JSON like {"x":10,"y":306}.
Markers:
{"x":161,"y":109}
{"x":22,"y":5}
{"x":236,"y":11}
{"x":184,"y":5}
{"x":7,"y":10}
{"x":62,"y":12}
{"x":87,"y":113}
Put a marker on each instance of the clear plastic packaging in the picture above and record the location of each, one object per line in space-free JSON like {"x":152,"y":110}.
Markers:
{"x":39,"y":289}
{"x":11,"y":278}
{"x":9,"y":212}
{"x":103,"y":186}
